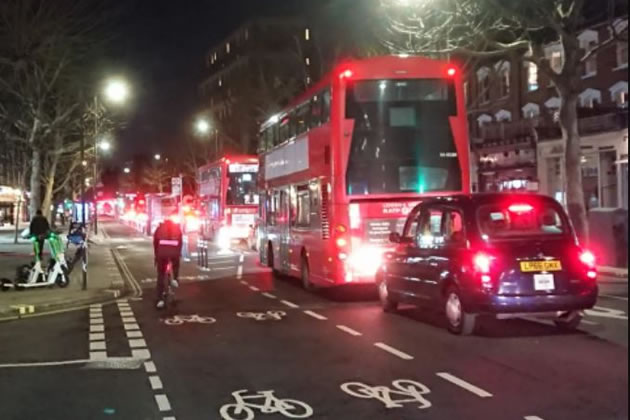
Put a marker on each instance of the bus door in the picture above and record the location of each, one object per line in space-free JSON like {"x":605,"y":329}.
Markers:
{"x":284,"y":230}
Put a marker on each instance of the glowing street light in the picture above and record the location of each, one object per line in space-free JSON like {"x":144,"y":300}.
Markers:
{"x":127,"y":170}
{"x":116,"y":91}
{"x":157,"y":156}
{"x":202,"y":126}
{"x":105,"y":145}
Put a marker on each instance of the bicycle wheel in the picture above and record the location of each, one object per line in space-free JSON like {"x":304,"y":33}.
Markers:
{"x":358,"y":390}
{"x":173,"y":321}
{"x":236,"y":412}
{"x":206,"y":320}
{"x":295,"y":409}
{"x":63,"y":280}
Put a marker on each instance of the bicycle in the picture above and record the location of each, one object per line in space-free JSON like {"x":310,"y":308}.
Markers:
{"x":401,"y":388}
{"x":244,"y":408}
{"x":263,"y":316}
{"x":190,"y":319}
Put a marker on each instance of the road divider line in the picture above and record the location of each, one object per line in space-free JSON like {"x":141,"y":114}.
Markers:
{"x":316,"y":315}
{"x":137,"y":343}
{"x":269,"y":295}
{"x":244,"y":283}
{"x":163,"y":402}
{"x":97,"y":336}
{"x":254,"y":289}
{"x":156,"y":382}
{"x":134,"y":334}
{"x":149,"y":367}
{"x":349,"y":330}
{"x":289,"y":304}
{"x":533,"y":418}
{"x":394,"y":351}
{"x":465,"y":385}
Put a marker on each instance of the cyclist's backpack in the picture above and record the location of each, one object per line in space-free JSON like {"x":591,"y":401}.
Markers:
{"x":169,"y":241}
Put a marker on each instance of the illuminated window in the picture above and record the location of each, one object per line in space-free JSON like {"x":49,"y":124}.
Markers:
{"x":557,"y":61}
{"x":483,"y":83}
{"x":590,"y":66}
{"x":504,"y":80}
{"x":308,"y":61}
{"x":220,"y":82}
{"x":307,"y":34}
{"x":228,"y":48}
{"x":532,"y":77}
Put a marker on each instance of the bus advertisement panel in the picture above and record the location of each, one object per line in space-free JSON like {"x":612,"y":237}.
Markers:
{"x":347,"y":161}
{"x":228,"y":199}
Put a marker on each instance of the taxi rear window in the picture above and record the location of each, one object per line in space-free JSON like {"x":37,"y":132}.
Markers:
{"x":500,"y":221}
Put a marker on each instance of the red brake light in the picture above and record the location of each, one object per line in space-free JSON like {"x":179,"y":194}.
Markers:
{"x":521,"y":208}
{"x":452,"y":71}
{"x":482,"y":262}
{"x":588,"y":258}
{"x":346,"y":74}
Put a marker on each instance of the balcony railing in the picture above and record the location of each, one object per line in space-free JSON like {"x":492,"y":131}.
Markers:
{"x":496,"y":134}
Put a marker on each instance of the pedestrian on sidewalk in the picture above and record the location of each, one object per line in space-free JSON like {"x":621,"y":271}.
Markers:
{"x":39,"y":228}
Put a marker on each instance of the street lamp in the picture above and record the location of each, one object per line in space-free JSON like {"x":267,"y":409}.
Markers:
{"x":203,"y":126}
{"x":105,"y":145}
{"x":127,"y":170}
{"x":157,"y":156}
{"x":116,"y":91}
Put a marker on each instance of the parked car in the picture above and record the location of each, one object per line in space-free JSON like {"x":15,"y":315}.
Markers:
{"x":490,"y":254}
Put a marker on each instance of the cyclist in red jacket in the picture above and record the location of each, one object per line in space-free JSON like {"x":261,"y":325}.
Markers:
{"x":167,"y":245}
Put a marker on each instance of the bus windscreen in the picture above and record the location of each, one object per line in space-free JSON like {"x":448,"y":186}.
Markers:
{"x":402,"y":140}
{"x":241,"y":189}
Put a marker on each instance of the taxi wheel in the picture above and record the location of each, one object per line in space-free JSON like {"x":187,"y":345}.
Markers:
{"x":459,"y":321}
{"x":389,"y":305}
{"x":569,"y":322}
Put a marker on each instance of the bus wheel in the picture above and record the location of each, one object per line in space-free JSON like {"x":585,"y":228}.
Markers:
{"x":306,"y":275}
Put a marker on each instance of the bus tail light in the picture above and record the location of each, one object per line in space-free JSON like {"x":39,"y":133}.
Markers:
{"x":451,"y":71}
{"x":346,"y":74}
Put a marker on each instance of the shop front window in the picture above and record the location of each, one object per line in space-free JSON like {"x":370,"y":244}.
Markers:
{"x":608,"y":169}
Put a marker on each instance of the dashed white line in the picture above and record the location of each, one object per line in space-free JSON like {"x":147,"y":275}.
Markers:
{"x":98,"y":345}
{"x":269,"y":295}
{"x":316,"y":315}
{"x":168,"y":418}
{"x":137,"y":343}
{"x":465,"y":385}
{"x":254,"y":288}
{"x":97,"y":336}
{"x":533,"y":418}
{"x":98,"y":355}
{"x":131,"y":327}
{"x":349,"y":330}
{"x":156,"y":382}
{"x":134,"y":334}
{"x":97,"y":328}
{"x":141,"y":354}
{"x":149,"y":367}
{"x":163,"y":402}
{"x":289,"y":304}
{"x":394,"y":351}
{"x":129,"y":320}
{"x":244,"y":283}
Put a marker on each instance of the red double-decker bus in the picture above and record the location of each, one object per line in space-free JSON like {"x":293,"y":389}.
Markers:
{"x":345,"y":163}
{"x":228,"y":199}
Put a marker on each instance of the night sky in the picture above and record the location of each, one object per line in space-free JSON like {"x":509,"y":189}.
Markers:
{"x":161,"y":48}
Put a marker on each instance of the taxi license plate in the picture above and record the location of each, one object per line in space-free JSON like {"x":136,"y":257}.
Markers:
{"x":540,"y":266}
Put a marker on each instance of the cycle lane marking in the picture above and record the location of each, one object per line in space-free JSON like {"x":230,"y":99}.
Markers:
{"x":393,"y":351}
{"x":316,"y":315}
{"x":271,"y":405}
{"x":409,"y":392}
{"x":289,"y":304}
{"x":465,"y":385}
{"x":349,"y":330}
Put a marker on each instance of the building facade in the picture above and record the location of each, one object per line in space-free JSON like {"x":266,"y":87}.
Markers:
{"x":253,"y":73}
{"x":12,"y":172}
{"x":516,"y":138}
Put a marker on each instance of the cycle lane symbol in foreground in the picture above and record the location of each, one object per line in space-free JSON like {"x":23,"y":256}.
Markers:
{"x":263,"y":316}
{"x":403,"y":392}
{"x":189,"y":319}
{"x":247,"y":404}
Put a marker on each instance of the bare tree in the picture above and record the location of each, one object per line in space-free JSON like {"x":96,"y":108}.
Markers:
{"x":156,"y":177}
{"x":495,"y":28}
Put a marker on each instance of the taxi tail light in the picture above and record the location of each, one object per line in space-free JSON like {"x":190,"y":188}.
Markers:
{"x":521,"y":208}
{"x":482,"y":263}
{"x":588,"y":259}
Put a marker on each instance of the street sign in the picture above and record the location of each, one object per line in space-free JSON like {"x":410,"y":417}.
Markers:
{"x":176,"y":186}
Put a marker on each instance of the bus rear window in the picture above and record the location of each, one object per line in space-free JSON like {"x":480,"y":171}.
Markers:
{"x":520,"y":220}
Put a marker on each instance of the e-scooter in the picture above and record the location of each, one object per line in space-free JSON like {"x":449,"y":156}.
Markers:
{"x":33,"y":275}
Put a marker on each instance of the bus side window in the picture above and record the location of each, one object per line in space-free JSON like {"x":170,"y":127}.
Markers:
{"x":316,"y":112}
{"x":303,"y":214}
{"x":326,"y":106}
{"x":315,"y":204}
{"x":302,"y":116}
{"x":283,"y":133}
{"x":293,"y":124}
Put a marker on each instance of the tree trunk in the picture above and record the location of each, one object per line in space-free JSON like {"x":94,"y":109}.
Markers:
{"x":49,"y":187}
{"x":36,"y":181}
{"x":573,"y":165}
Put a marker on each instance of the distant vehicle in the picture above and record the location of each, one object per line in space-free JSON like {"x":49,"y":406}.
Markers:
{"x":347,"y":161}
{"x":229,"y":199}
{"x":504,"y":255}
{"x":158,"y":208}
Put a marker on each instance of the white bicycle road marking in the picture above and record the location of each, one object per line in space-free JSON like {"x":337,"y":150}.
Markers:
{"x":406,"y":390}
{"x":263,"y":316}
{"x":265,"y":402}
{"x":602,"y":312}
{"x":190,"y":319}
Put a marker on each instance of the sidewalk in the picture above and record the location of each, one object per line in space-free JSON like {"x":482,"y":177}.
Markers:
{"x":100,"y":287}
